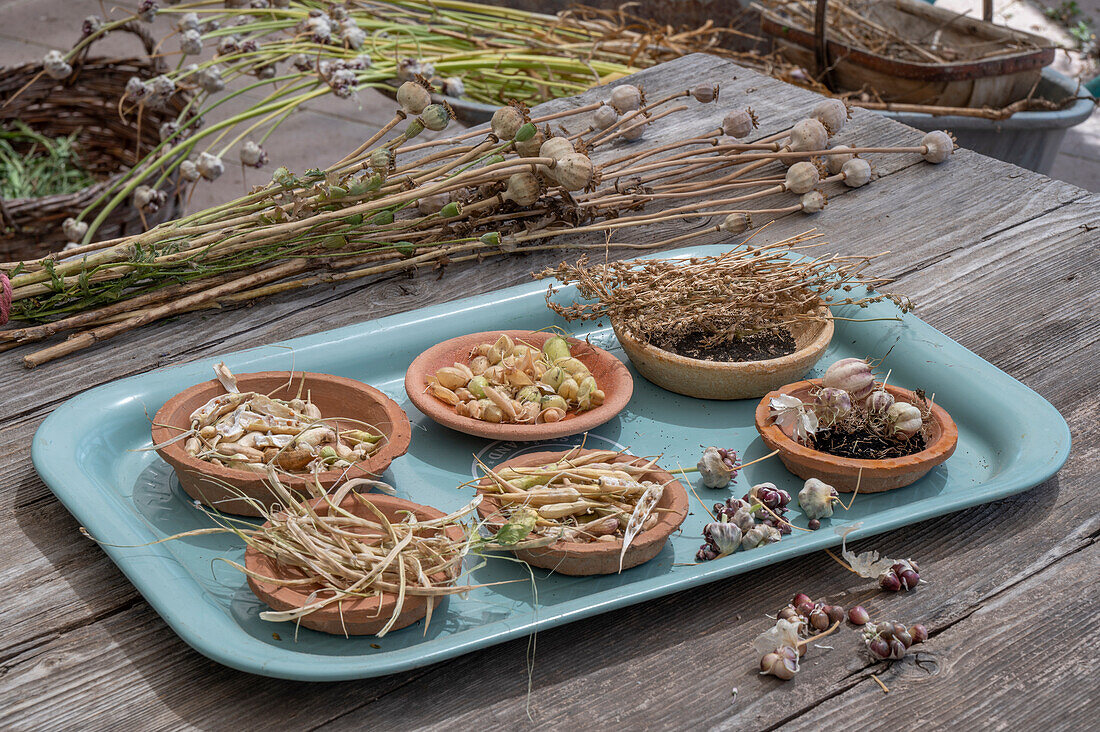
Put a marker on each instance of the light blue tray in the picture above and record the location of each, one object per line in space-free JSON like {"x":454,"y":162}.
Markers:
{"x":85,"y":452}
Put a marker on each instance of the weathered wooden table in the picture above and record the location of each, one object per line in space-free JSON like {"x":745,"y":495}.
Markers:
{"x":1002,"y":260}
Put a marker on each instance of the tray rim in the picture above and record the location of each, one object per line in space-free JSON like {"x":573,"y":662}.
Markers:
{"x":55,"y":442}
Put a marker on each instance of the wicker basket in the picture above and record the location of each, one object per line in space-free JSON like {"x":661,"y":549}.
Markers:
{"x":85,"y":103}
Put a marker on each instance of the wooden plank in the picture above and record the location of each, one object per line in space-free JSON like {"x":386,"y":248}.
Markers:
{"x":955,"y":230}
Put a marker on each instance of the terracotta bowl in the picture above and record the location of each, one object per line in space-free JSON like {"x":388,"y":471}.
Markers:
{"x":333,"y":395}
{"x":841,"y":473}
{"x":360,"y":616}
{"x":612,"y":377}
{"x":727,"y":379}
{"x":585,"y":558}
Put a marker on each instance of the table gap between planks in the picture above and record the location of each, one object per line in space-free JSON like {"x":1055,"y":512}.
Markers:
{"x":1002,"y":260}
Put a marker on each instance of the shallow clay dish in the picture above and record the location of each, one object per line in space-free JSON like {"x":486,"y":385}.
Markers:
{"x":612,"y":377}
{"x":361,"y":616}
{"x":842,"y":473}
{"x":597,"y":557}
{"x":333,"y":395}
{"x":727,"y":379}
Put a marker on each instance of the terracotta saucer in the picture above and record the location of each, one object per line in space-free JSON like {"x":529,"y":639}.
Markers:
{"x":360,"y":616}
{"x":842,"y":473}
{"x":727,"y":379}
{"x":597,"y":557}
{"x":333,"y":395}
{"x":612,"y":377}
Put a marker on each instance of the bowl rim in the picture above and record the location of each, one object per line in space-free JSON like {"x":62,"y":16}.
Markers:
{"x":616,"y":398}
{"x":939,"y":450}
{"x":818,"y":344}
{"x":666,"y":525}
{"x":381,"y":604}
{"x":397,"y":443}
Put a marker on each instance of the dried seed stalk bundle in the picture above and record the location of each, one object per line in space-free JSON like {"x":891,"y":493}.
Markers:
{"x":394,"y":206}
{"x":755,"y":288}
{"x":254,"y":432}
{"x":511,"y":382}
{"x":581,"y":498}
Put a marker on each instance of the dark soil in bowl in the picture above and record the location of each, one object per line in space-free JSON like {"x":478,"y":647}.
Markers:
{"x":864,"y":444}
{"x":759,"y":346}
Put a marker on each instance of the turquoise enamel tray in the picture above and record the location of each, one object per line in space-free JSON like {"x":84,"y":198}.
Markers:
{"x":86,"y":451}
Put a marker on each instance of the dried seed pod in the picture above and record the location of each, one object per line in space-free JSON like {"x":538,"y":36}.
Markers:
{"x":938,"y":146}
{"x":477,"y":386}
{"x":739,"y":123}
{"x":832,"y":113}
{"x":451,"y":377}
{"x":802,"y":177}
{"x":808,"y":134}
{"x":856,"y":172}
{"x":433,"y":204}
{"x":573,"y":172}
{"x":478,"y":364}
{"x":903,"y":419}
{"x":705,"y":93}
{"x":853,"y":375}
{"x":413,"y":97}
{"x":813,"y":202}
{"x":568,"y":389}
{"x":523,"y":189}
{"x":554,"y":401}
{"x":633,"y":131}
{"x":381,"y":160}
{"x":506,"y":122}
{"x":604,"y":117}
{"x":553,"y":414}
{"x":556,"y":148}
{"x":736,"y":223}
{"x":490,"y":412}
{"x":625,"y":98}
{"x":436,"y":117}
{"x":529,"y":148}
{"x":833,"y":403}
{"x":835,"y":163}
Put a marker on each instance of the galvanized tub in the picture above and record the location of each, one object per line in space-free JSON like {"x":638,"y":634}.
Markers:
{"x":1028,"y":139}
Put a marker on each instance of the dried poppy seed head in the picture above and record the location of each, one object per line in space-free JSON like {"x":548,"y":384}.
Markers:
{"x":625,"y":98}
{"x":834,"y":163}
{"x":523,"y":189}
{"x":530,"y":148}
{"x":802,"y":177}
{"x":556,"y":148}
{"x":808,"y":134}
{"x":813,"y":202}
{"x":634,"y":131}
{"x":573,"y":172}
{"x":604,"y":117}
{"x":832,"y":113}
{"x":436,"y":117}
{"x":506,"y":122}
{"x":738,"y":123}
{"x":705,"y":93}
{"x":736,"y":223}
{"x":857,"y":173}
{"x":413,"y":97}
{"x":938,"y":146}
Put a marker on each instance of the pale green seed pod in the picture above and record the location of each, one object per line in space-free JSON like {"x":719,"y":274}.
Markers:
{"x":556,"y":348}
{"x":568,"y":390}
{"x":477,"y":386}
{"x":554,"y":377}
{"x":553,"y":401}
{"x":528,"y":394}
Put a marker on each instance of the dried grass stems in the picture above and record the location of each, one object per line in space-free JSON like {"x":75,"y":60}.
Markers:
{"x":392,"y":206}
{"x":727,"y":296}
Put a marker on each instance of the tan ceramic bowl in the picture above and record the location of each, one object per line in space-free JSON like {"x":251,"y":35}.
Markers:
{"x":585,"y":558}
{"x":727,"y":379}
{"x":333,"y":395}
{"x":842,"y":473}
{"x":358,"y":616}
{"x":612,"y":377}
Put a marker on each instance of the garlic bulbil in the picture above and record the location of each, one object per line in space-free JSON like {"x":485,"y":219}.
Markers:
{"x":904,"y":419}
{"x":718,"y":467}
{"x":210,"y":166}
{"x":816,"y":499}
{"x":253,"y":155}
